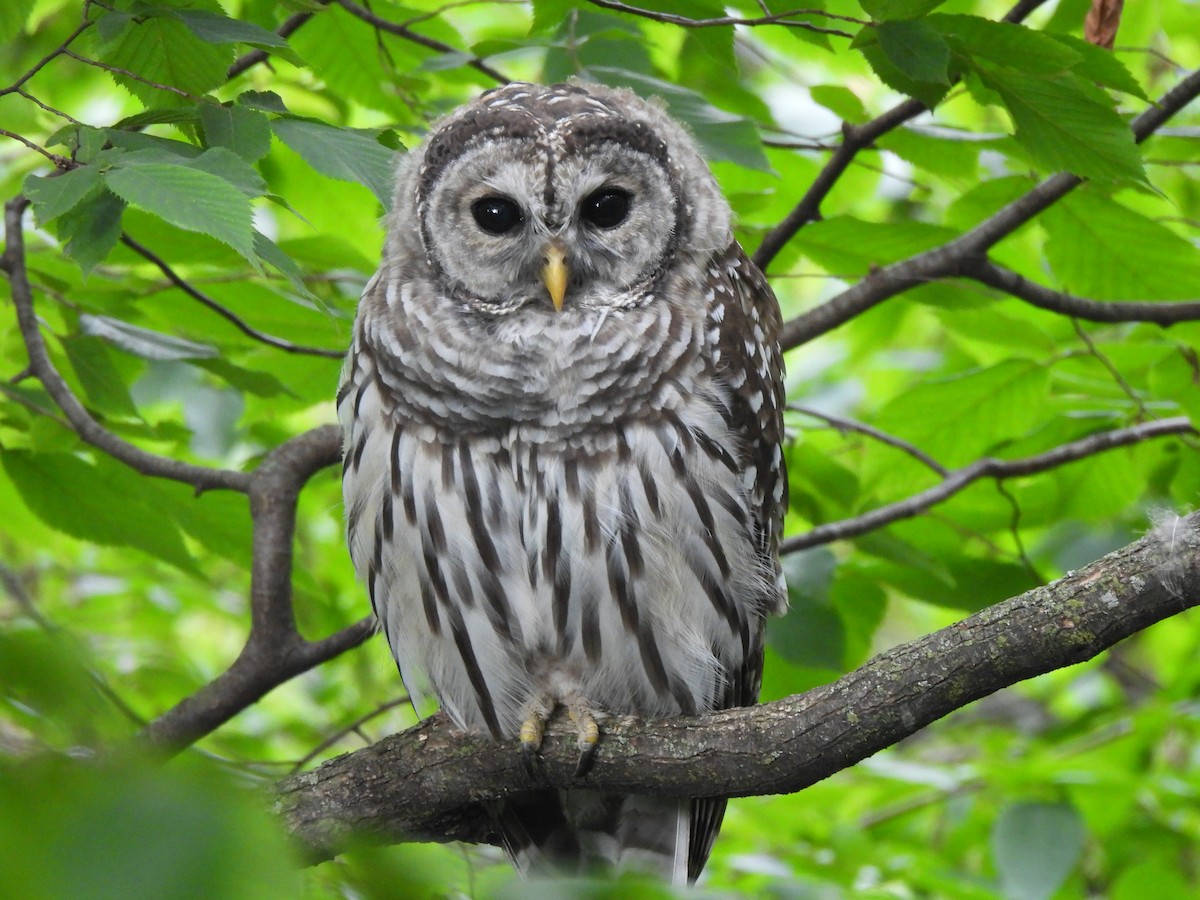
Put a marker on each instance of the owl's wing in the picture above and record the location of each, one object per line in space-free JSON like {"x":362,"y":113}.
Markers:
{"x":744,"y":317}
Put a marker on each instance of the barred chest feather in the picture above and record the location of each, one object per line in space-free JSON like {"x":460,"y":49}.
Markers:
{"x":549,"y":512}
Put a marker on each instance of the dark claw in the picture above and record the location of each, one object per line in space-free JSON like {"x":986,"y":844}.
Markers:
{"x":587,"y":756}
{"x":531,"y":759}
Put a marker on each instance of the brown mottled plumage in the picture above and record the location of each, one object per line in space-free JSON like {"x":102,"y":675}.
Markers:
{"x":561,"y":416}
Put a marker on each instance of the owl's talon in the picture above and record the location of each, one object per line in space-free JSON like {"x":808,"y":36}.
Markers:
{"x":588,"y":736}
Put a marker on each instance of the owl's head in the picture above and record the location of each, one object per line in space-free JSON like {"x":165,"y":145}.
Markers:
{"x":564,"y":197}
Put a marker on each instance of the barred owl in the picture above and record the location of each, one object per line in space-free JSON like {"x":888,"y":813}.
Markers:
{"x":561,"y":421}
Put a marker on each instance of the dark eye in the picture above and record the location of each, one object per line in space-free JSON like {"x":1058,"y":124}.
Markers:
{"x":606,"y":208}
{"x":496,"y":215}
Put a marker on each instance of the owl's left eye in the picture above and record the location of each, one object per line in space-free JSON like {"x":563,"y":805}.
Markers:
{"x":496,"y":215}
{"x":606,"y":208}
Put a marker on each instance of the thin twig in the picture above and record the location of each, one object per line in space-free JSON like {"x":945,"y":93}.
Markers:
{"x":409,"y":35}
{"x":59,"y":161}
{"x":45,"y":60}
{"x":353,"y":727}
{"x":987,"y":468}
{"x":200,"y":297}
{"x":843,"y":424}
{"x":785,"y":19}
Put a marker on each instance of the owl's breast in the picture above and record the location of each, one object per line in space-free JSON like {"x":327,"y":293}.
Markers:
{"x":541,"y":375}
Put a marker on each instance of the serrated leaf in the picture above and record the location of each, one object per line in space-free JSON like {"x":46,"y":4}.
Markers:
{"x":844,"y":245}
{"x":1101,"y":66}
{"x":183,"y":115}
{"x":1035,"y":847}
{"x":102,"y":382}
{"x":267,"y":101}
{"x":841,"y":101}
{"x":245,"y":131}
{"x":917,"y":50}
{"x":142,"y":341}
{"x":269,"y":252}
{"x":346,"y":53}
{"x":1006,"y":44}
{"x":90,"y":229}
{"x":343,"y":153}
{"x":976,"y":410}
{"x":219,"y":29}
{"x":163,"y":51}
{"x":189,"y":199}
{"x":890,"y":74}
{"x":1066,"y":124}
{"x":102,"y":502}
{"x":1105,"y":250}
{"x":56,"y":195}
{"x":227,"y":165}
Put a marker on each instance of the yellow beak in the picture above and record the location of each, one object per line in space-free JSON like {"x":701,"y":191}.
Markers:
{"x":555,"y":275}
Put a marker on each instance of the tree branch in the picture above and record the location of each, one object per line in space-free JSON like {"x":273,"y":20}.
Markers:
{"x":854,"y":139}
{"x":274,"y":651}
{"x":986,"y":468}
{"x":426,"y":783}
{"x":983,"y":270}
{"x":949,"y":259}
{"x":201,"y":477}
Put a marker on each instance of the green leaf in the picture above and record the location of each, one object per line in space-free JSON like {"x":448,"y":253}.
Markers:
{"x":56,"y":195}
{"x":722,"y":135}
{"x":267,"y":101}
{"x":232,"y":168}
{"x":91,"y":228}
{"x":1035,"y":847}
{"x":844,"y":245}
{"x":343,"y":153}
{"x":96,"y":371}
{"x":1105,"y":250}
{"x":163,"y":51}
{"x":1101,"y":66}
{"x":882,"y":10}
{"x":1006,"y":44}
{"x":917,"y":50}
{"x":977,"y":411}
{"x":142,"y":341}
{"x":220,"y":29}
{"x":839,"y":100}
{"x":245,"y":131}
{"x":1064,"y":123}
{"x":929,"y":93}
{"x":103,"y":502}
{"x":269,"y":252}
{"x":189,"y":199}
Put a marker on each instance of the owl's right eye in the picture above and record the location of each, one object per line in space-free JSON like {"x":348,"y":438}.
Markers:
{"x":496,"y":215}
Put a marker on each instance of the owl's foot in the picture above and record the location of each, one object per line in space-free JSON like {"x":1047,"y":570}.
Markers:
{"x":587,"y":731}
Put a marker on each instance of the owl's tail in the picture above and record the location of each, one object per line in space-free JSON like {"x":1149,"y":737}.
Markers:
{"x":584,"y":832}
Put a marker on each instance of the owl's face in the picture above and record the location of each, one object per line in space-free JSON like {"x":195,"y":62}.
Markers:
{"x":562,"y":198}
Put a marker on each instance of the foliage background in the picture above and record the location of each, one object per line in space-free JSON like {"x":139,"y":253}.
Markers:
{"x":260,"y":194}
